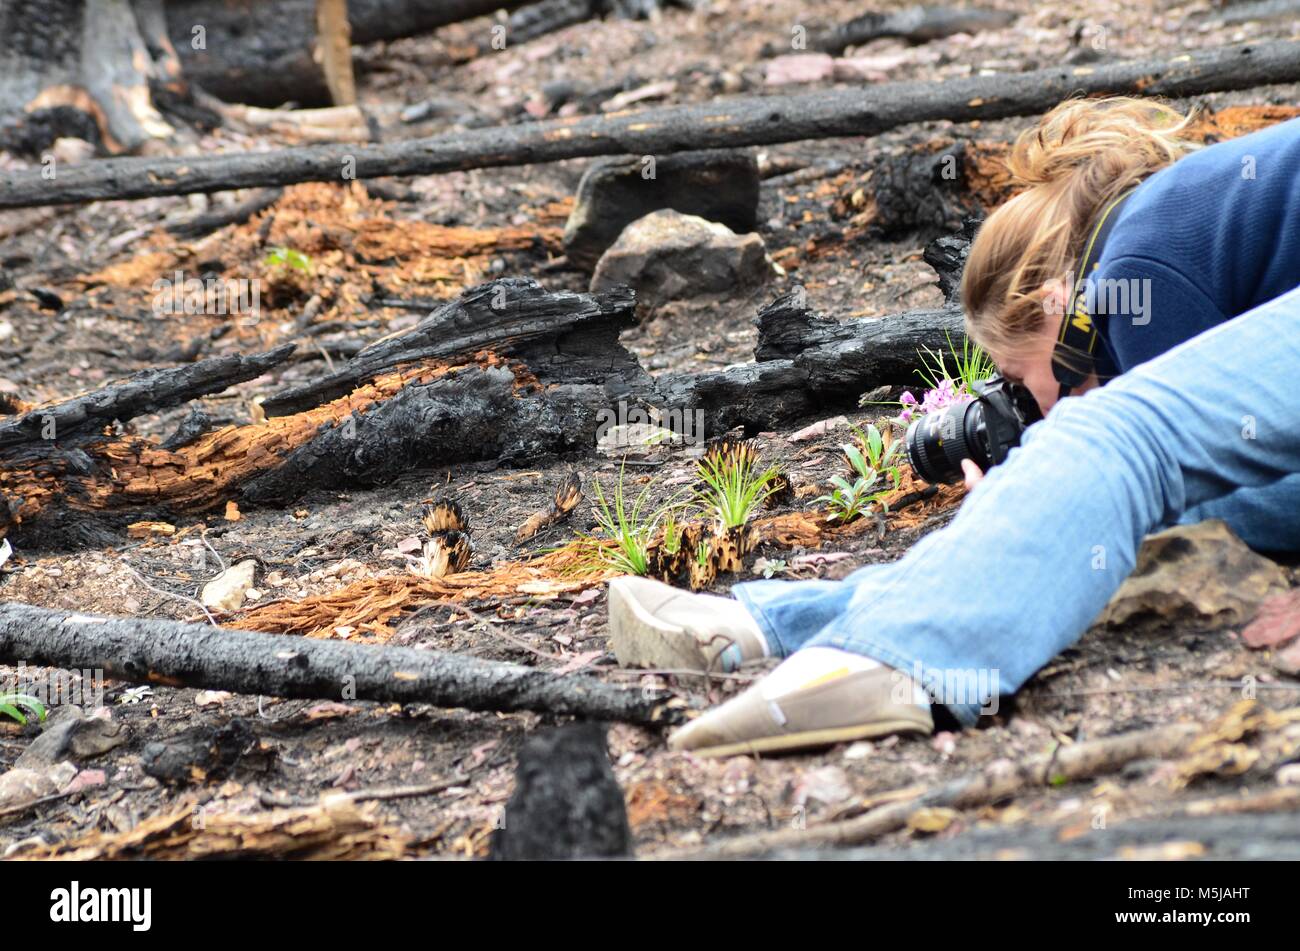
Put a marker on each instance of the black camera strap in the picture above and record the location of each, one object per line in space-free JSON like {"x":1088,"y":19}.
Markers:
{"x":1073,"y":359}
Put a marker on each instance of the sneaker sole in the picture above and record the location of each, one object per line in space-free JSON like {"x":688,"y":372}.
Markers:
{"x":789,"y":742}
{"x":640,"y":639}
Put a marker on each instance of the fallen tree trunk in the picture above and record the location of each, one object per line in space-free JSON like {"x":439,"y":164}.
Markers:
{"x":914,"y":24}
{"x":75,"y":68}
{"x":512,"y":317}
{"x":197,"y":226}
{"x":546,"y":16}
{"x":726,"y":124}
{"x":508,"y":371}
{"x":176,"y":654}
{"x":267,"y":52}
{"x":832,"y":364}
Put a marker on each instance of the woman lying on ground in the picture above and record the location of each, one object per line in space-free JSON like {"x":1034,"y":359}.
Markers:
{"x":1199,"y":418}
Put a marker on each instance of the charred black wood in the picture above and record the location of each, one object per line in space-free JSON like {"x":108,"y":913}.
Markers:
{"x":921,"y":191}
{"x":947,"y":255}
{"x":143,"y":392}
{"x":537,"y":19}
{"x":915,"y":24}
{"x":191,"y":428}
{"x":567,"y":803}
{"x":200,"y":225}
{"x":205,"y":752}
{"x":720,"y":124}
{"x":160,"y":651}
{"x":564,"y":337}
{"x":808,"y":363}
{"x":264,"y":52}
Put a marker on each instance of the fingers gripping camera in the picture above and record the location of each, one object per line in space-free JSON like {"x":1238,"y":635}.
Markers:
{"x":983,"y":430}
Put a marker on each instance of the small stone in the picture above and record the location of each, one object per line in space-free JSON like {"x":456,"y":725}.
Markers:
{"x":72,"y":151}
{"x":226,"y":591}
{"x":859,"y":750}
{"x":1289,"y":775}
{"x":800,"y":68}
{"x":819,"y":428}
{"x":670,"y":256}
{"x":1278,"y":621}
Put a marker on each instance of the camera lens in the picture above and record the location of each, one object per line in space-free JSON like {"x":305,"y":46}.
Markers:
{"x":938,"y":442}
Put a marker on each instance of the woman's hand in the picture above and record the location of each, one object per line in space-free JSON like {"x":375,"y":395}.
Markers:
{"x":972,"y":472}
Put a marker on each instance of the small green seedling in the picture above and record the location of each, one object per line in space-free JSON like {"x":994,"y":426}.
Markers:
{"x":13,"y":704}
{"x":288,"y":257}
{"x":848,"y":501}
{"x":628,"y":528}
{"x":732,"y":489}
{"x":870,"y":457}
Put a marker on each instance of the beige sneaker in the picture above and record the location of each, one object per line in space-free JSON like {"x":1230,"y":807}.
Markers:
{"x":652,"y":624}
{"x":854,"y":706}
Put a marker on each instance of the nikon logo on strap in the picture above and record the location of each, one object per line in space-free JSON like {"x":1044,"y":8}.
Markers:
{"x":1072,"y":359}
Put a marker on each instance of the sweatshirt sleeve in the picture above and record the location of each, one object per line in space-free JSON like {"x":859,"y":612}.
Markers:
{"x":1152,"y":308}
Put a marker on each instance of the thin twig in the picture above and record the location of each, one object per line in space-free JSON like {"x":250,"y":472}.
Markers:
{"x":492,"y":628}
{"x":367,"y":795}
{"x":169,"y":594}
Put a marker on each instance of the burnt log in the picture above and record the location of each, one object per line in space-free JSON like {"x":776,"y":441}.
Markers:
{"x":74,"y":65}
{"x":1272,"y":836}
{"x":808,"y":363}
{"x":564,"y":337}
{"x":742,"y":121}
{"x":144,"y":392}
{"x":197,"y":226}
{"x":176,"y":654}
{"x":567,"y":804}
{"x":913,"y":24}
{"x":506,"y":372}
{"x":546,"y":16}
{"x":268,"y":52}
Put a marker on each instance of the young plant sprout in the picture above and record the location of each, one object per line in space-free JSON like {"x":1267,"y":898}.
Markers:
{"x":12,"y":705}
{"x":871,"y":456}
{"x":289,"y":258}
{"x":628,"y":530}
{"x":733,"y":488}
{"x":847,"y":502}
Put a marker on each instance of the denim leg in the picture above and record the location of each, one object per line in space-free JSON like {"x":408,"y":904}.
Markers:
{"x":791,"y":612}
{"x":1045,"y":539}
{"x":1267,"y":518}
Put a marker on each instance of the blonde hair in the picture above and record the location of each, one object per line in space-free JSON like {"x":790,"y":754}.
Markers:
{"x":1081,"y":156}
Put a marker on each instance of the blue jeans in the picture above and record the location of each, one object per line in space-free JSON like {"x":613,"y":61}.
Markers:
{"x":1209,"y":429}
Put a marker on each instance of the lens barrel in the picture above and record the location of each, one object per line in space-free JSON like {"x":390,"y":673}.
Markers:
{"x":938,"y":442}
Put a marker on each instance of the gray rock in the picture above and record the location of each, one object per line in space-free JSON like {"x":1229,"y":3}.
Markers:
{"x":717,"y":185}
{"x":670,"y":256}
{"x":69,"y":734}
{"x":1201,"y":574}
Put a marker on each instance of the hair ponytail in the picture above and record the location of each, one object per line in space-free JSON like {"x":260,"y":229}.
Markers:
{"x":1080,"y":157}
